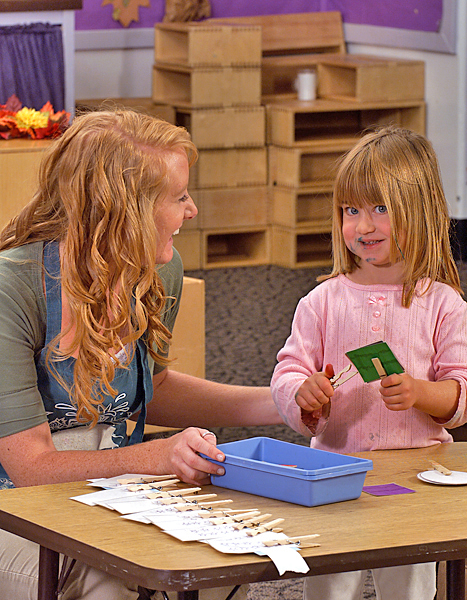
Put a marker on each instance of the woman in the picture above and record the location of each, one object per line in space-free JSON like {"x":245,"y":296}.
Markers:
{"x":89,"y":291}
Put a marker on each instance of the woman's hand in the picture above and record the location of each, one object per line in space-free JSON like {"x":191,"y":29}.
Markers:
{"x":182,"y":456}
{"x":316,"y":391}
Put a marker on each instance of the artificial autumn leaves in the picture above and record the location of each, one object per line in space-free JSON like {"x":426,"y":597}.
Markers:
{"x":17,"y":121}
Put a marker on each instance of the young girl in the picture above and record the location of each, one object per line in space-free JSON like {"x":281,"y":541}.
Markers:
{"x":394,"y":279}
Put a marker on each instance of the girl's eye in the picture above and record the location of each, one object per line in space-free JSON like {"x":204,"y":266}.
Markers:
{"x":350,"y":210}
{"x":381,"y":209}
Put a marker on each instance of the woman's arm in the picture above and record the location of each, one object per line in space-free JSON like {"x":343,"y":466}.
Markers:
{"x":30,"y":458}
{"x":183,"y":400}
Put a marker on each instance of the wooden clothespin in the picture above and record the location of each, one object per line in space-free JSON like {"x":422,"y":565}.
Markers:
{"x":218,"y":520}
{"x":299,"y":541}
{"x":145,"y":479}
{"x":172,"y":493}
{"x":379,"y":367}
{"x":270,"y":526}
{"x":190,"y":499}
{"x":200,"y":505}
{"x":440,"y":468}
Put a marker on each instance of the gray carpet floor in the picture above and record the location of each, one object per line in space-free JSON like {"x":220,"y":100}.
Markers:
{"x":249,"y":312}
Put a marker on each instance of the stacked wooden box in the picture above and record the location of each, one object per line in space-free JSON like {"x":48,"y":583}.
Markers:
{"x":307,"y":139}
{"x":211,"y":75}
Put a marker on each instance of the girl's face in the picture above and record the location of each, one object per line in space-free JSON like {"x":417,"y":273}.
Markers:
{"x":175,"y":207}
{"x":367,"y":234}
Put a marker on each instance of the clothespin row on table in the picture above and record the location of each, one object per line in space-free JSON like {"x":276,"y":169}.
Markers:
{"x":300,"y":540}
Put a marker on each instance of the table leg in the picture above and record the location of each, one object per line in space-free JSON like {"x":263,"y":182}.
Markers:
{"x":48,"y":574}
{"x":455,"y":579}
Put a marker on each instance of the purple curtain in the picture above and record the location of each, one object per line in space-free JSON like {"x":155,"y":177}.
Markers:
{"x":32,"y":65}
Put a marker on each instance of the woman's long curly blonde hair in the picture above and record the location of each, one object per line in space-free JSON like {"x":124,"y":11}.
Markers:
{"x":99,"y":187}
{"x":397,"y":168}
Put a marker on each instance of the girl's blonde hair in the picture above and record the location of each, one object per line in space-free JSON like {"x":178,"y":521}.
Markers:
{"x":397,"y":168}
{"x":100,"y":184}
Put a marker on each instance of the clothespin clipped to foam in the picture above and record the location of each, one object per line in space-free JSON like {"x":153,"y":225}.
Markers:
{"x":379,"y":367}
{"x":226,"y":512}
{"x":299,"y":541}
{"x":270,"y":526}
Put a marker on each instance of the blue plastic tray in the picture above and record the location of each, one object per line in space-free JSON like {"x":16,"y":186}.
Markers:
{"x":290,"y":472}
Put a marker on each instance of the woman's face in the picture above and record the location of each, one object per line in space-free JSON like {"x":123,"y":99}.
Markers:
{"x":175,"y":207}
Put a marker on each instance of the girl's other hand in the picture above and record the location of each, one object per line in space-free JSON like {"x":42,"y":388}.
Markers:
{"x":315,"y":391}
{"x":183,"y":450}
{"x":399,"y":391}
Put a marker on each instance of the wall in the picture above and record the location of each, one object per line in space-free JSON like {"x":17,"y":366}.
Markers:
{"x":127,"y":73}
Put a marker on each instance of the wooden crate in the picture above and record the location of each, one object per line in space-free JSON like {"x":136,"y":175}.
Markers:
{"x":207,"y":44}
{"x":306,"y":165}
{"x":294,"y":123}
{"x":232,"y":207}
{"x":301,"y":247}
{"x":235,"y":247}
{"x":230,"y":167}
{"x":370,"y":79}
{"x":206,"y":88}
{"x":188,"y":243}
{"x":231,"y":127}
{"x":142,"y":105}
{"x":301,"y":207}
{"x":312,"y":32}
{"x":19,"y":168}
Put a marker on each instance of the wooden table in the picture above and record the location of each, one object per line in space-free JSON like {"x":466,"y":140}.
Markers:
{"x":428,"y":525}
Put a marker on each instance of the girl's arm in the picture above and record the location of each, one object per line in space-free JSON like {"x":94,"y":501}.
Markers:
{"x":436,"y":398}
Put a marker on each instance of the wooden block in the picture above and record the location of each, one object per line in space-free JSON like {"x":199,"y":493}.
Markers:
{"x":369,"y":78}
{"x":293,"y":33}
{"x":231,"y":127}
{"x":242,"y":247}
{"x":301,"y":248}
{"x":306,"y":206}
{"x":230,"y":167}
{"x":184,"y":87}
{"x":232,"y":207}
{"x":142,"y":105}
{"x":306,"y":165}
{"x":295,"y":123}
{"x":207,"y":44}
{"x":19,"y":167}
{"x":188,"y":341}
{"x":188,"y":243}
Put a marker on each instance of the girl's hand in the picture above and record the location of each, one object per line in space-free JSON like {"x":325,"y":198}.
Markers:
{"x":183,"y":450}
{"x":399,"y":392}
{"x":315,"y":391}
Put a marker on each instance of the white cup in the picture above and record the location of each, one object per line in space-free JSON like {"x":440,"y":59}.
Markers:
{"x":305,"y":85}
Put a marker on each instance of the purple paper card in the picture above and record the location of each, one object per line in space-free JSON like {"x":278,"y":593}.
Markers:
{"x":387,"y":489}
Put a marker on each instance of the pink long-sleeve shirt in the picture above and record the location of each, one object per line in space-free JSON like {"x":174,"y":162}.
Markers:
{"x":429,"y":339}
